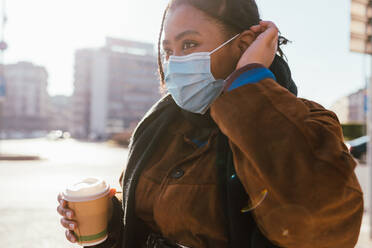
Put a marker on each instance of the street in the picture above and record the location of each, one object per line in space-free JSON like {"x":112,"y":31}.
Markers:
{"x":29,"y":188}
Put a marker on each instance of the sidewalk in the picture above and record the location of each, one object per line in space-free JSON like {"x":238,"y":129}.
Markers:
{"x":364,"y":240}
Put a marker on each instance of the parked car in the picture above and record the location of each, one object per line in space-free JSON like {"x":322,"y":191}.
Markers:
{"x":58,"y":134}
{"x":358,"y":147}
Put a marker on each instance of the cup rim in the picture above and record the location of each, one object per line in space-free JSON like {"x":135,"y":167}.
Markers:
{"x":86,"y":198}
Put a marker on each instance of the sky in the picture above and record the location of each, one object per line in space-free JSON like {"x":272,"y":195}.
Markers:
{"x":47,"y":33}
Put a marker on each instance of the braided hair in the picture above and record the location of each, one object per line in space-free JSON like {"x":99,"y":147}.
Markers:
{"x":234,"y":16}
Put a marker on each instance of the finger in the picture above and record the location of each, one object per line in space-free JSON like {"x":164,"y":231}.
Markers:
{"x":68,"y":213}
{"x":112,"y":192}
{"x":270,"y":32}
{"x":61,"y":200}
{"x":268,"y":24}
{"x":60,"y":210}
{"x":63,"y":203}
{"x":256,"y":28}
{"x":68,"y":224}
{"x":70,"y":236}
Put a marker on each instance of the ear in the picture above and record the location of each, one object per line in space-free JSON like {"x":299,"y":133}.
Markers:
{"x":245,"y":40}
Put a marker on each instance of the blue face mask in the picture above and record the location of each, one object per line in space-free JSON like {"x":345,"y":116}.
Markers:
{"x":190,"y":81}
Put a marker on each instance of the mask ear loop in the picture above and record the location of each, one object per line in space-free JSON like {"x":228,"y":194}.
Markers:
{"x":223,"y":44}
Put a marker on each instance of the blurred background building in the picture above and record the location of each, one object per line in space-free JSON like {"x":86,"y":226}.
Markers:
{"x":114,"y":86}
{"x":25,"y":106}
{"x":59,"y":113}
{"x":352,"y":108}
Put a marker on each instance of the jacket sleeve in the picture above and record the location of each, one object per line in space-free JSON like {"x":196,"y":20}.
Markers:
{"x":115,"y":225}
{"x":293,"y":150}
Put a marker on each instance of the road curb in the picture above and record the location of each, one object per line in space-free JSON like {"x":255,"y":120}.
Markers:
{"x":19,"y":158}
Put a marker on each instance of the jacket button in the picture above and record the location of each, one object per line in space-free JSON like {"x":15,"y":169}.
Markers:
{"x":177,"y":173}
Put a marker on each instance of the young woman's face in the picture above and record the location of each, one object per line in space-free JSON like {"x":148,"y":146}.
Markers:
{"x":188,"y":30}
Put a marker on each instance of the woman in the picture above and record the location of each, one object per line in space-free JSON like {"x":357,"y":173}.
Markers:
{"x":231,"y":157}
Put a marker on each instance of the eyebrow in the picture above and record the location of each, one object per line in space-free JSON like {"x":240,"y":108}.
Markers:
{"x":181,"y":35}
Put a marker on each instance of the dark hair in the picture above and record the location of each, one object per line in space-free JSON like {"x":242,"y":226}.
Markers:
{"x":234,"y":16}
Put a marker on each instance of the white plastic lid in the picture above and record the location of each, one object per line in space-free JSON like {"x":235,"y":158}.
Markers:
{"x":87,"y":189}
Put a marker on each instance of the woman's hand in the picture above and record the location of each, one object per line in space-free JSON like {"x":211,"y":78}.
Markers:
{"x":68,"y":214}
{"x":263,"y":48}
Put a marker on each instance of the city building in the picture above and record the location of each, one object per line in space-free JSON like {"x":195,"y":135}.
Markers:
{"x":114,"y":86}
{"x":24,"y":109}
{"x":357,"y":107}
{"x":341,"y":108}
{"x":59,"y":116}
{"x":352,"y":109}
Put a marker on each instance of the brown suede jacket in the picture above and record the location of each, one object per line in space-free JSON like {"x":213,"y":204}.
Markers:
{"x":288,"y":147}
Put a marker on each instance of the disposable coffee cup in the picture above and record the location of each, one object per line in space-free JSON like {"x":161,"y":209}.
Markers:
{"x":89,"y":199}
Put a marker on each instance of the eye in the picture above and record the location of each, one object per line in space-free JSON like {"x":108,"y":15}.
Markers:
{"x":189,"y":44}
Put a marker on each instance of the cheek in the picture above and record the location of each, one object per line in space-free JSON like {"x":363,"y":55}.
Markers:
{"x":223,"y":65}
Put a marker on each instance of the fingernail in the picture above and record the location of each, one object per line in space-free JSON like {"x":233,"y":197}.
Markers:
{"x":72,"y":226}
{"x":69,"y":214}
